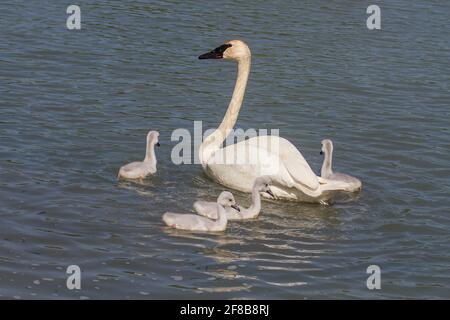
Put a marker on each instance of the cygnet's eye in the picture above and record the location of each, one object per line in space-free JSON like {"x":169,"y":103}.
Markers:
{"x":266,"y":185}
{"x":230,"y":200}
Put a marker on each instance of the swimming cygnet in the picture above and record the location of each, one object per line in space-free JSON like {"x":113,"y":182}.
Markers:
{"x":209,"y":209}
{"x":195,"y":222}
{"x":141,"y":169}
{"x":352,"y":183}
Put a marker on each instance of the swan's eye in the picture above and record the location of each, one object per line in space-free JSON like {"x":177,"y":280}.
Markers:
{"x":230,"y":200}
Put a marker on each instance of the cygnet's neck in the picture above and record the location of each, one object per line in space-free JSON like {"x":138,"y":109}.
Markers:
{"x":327,"y":164}
{"x":255,"y":208}
{"x":222,"y":219}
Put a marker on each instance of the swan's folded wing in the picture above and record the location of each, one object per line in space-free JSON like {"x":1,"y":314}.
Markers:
{"x":264,"y":155}
{"x":186,"y":221}
{"x":300,"y":170}
{"x":206,"y":209}
{"x":295,"y":164}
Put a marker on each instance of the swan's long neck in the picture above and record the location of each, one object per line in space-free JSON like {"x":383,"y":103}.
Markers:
{"x":327,"y":164}
{"x":150,"y":153}
{"x":255,"y":208}
{"x":214,"y":141}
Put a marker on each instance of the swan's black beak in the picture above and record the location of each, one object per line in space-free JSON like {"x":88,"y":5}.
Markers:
{"x":321,"y":152}
{"x":270,"y":193}
{"x":217,"y":53}
{"x":158,"y":145}
{"x":235,"y":207}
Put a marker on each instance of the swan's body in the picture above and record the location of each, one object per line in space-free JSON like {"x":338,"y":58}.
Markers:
{"x":292,"y":176}
{"x":353,"y":184}
{"x":194,"y":222}
{"x":209,"y":209}
{"x":141,"y":169}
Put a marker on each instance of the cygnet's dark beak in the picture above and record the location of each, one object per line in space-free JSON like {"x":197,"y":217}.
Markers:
{"x":270,"y":193}
{"x":217,"y":53}
{"x":235,"y":207}
{"x":158,"y":145}
{"x":321,"y":152}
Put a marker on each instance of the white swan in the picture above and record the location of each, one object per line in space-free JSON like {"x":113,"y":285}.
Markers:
{"x":209,"y":209}
{"x":194,"y":222}
{"x":292,"y":176}
{"x":141,"y":169}
{"x":353,"y":184}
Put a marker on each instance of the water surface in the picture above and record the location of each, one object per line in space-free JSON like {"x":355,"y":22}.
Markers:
{"x":76,"y":105}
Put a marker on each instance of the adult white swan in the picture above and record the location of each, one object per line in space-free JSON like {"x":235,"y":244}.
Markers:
{"x":292,"y":176}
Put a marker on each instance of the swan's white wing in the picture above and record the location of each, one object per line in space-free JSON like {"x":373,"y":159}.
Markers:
{"x":294,"y":162}
{"x":206,"y":209}
{"x":268,"y":155}
{"x":136,"y":170}
{"x":237,"y":166}
{"x":187,"y":221}
{"x":299,"y":169}
{"x":348,"y":183}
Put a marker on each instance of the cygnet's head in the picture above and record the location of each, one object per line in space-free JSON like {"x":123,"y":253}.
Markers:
{"x":153,"y":138}
{"x":263,"y":185}
{"x":327,"y":146}
{"x":233,"y":50}
{"x":226,"y":199}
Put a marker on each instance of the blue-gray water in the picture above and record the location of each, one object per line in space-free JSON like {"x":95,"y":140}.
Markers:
{"x":76,"y":105}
